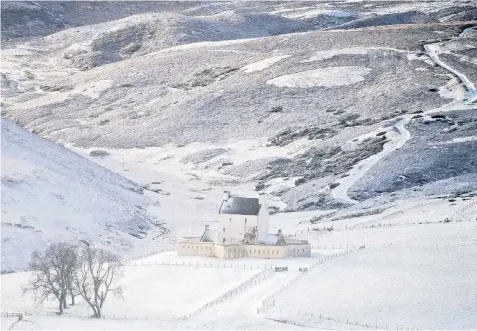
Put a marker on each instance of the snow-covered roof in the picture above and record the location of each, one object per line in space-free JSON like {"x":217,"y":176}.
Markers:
{"x":240,"y":206}
{"x":210,"y":236}
{"x":270,"y":239}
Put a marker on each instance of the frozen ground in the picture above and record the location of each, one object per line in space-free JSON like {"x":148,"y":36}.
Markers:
{"x":149,"y":292}
{"x":366,"y":132}
{"x":171,"y":258}
{"x":425,"y":281}
{"x":50,"y":192}
{"x":330,"y":76}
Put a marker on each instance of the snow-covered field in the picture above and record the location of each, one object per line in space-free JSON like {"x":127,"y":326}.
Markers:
{"x":330,"y":76}
{"x":149,"y":292}
{"x":427,"y":280}
{"x":324,"y":107}
{"x":171,"y":258}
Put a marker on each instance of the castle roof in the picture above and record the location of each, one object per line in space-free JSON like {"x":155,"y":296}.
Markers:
{"x":240,"y":206}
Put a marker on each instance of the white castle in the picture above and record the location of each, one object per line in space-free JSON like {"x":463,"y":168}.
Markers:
{"x":243,"y":231}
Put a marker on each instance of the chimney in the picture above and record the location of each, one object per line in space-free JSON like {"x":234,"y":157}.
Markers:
{"x":280,"y":233}
{"x":226,"y":195}
{"x":261,"y":199}
{"x":206,"y":227}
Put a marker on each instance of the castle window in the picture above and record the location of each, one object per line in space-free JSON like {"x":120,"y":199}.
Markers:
{"x":223,"y":240}
{"x":224,"y":229}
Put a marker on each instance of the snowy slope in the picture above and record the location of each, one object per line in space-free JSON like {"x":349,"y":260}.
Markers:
{"x":50,"y":193}
{"x":425,"y":280}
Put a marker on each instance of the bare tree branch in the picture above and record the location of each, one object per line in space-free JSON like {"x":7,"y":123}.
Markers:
{"x":97,"y":276}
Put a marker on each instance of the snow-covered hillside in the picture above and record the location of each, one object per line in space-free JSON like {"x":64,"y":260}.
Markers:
{"x":357,"y":119}
{"x":50,"y":193}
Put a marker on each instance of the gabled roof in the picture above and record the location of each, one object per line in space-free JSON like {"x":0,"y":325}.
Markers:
{"x":209,"y":236}
{"x":270,"y":239}
{"x":240,"y":206}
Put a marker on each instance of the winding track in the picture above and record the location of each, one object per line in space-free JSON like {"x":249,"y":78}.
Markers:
{"x":341,"y":192}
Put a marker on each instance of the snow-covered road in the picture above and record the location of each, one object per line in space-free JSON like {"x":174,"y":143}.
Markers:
{"x":359,"y":170}
{"x":433,"y":51}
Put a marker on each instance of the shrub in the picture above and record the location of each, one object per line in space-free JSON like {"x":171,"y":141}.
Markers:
{"x":276,"y":109}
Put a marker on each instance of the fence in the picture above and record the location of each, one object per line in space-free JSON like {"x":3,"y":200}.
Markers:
{"x":304,"y":235}
{"x":453,"y":216}
{"x":239,"y":289}
{"x":226,"y":296}
{"x":200,"y":264}
{"x":352,"y":247}
{"x":338,"y":319}
{"x":268,"y":302}
{"x":128,"y":261}
{"x":19,"y":317}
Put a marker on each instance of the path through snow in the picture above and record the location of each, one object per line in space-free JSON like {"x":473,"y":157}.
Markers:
{"x":359,"y":170}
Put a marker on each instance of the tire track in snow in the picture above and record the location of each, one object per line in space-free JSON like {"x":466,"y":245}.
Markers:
{"x":359,"y":170}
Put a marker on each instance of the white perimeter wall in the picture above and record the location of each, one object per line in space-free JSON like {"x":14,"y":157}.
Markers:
{"x":239,"y":251}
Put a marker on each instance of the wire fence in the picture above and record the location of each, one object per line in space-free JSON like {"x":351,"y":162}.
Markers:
{"x":261,"y":276}
{"x":239,"y":289}
{"x":200,"y":264}
{"x":454,"y":215}
{"x":142,"y":256}
{"x":339,"y":319}
{"x":116,"y":316}
{"x":18,"y":316}
{"x":268,"y":301}
{"x":317,"y":232}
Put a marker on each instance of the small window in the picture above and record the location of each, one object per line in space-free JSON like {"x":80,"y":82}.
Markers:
{"x":258,"y":251}
{"x":224,"y":229}
{"x":223,"y":240}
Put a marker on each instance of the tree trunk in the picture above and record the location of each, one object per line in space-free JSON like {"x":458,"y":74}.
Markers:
{"x":96,"y":312}
{"x":72,"y":298}
{"x":61,"y":306}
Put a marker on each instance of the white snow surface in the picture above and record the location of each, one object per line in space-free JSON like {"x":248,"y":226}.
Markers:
{"x":424,"y":281}
{"x":92,"y":90}
{"x":263,"y":64}
{"x":152,"y":291}
{"x":50,"y":193}
{"x":326,"y":77}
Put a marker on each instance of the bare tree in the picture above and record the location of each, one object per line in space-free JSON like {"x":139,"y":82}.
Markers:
{"x":97,"y":275}
{"x":52,"y":269}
